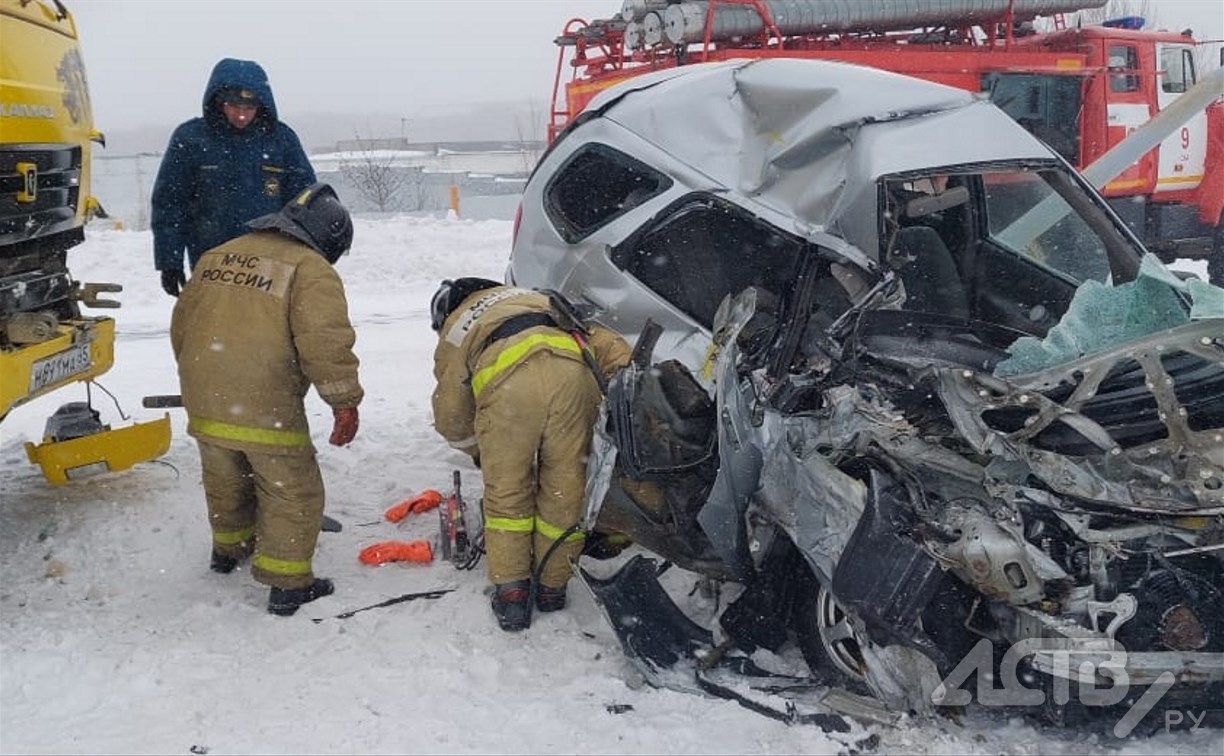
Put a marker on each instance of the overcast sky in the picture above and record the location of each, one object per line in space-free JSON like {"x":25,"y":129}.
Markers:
{"x":148,"y":60}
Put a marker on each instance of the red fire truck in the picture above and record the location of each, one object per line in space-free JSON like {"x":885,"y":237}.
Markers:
{"x":1081,"y":90}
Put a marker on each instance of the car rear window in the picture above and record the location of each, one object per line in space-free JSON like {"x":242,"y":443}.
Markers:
{"x":704,"y":249}
{"x":596,"y":185}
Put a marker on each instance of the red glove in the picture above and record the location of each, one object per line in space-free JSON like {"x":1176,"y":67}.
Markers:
{"x":345,"y":426}
{"x":397,"y":551}
{"x":422,"y":502}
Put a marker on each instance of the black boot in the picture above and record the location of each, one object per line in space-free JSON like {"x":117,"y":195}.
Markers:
{"x":511,"y":605}
{"x":605,"y":545}
{"x":285,"y":601}
{"x":550,"y":599}
{"x":222,"y":563}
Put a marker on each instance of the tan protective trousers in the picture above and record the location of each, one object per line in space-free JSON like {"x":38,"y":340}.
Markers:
{"x":267,"y":506}
{"x":534,"y":432}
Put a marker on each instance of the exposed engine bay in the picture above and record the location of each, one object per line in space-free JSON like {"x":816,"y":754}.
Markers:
{"x":910,"y":484}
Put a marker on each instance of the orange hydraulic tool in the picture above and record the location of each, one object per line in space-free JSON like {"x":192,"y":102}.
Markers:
{"x":422,"y":502}
{"x":397,"y":551}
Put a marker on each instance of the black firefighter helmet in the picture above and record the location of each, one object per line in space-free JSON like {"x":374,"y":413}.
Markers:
{"x":316,"y":217}
{"x":450,"y":295}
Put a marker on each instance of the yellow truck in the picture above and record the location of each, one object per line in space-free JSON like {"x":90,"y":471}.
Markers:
{"x":46,"y":343}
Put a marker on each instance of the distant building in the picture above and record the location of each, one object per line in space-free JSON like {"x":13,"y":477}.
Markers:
{"x":507,"y":159}
{"x":401,"y":144}
{"x":422,"y":174}
{"x":488,"y":175}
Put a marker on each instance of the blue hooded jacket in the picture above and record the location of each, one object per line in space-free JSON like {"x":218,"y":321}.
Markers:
{"x":214,"y":178}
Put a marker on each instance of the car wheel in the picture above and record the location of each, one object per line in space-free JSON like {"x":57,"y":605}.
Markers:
{"x":829,"y":643}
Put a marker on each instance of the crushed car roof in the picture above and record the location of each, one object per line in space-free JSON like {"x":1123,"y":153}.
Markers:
{"x":762,"y":129}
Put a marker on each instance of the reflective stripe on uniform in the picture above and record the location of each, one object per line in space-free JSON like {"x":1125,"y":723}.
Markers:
{"x":510,"y":524}
{"x":549,"y":530}
{"x":529,"y":524}
{"x":218,"y":429}
{"x":233,"y":537}
{"x":281,"y":566}
{"x":518,"y":351}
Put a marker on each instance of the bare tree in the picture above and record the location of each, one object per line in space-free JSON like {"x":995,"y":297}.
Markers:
{"x":412,"y":191}
{"x":377,"y":179}
{"x":142,"y":213}
{"x":1207,"y":55}
{"x":528,"y":124}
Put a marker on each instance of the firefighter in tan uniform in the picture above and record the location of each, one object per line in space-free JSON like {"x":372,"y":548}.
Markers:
{"x":514,"y":392}
{"x":264,"y":318}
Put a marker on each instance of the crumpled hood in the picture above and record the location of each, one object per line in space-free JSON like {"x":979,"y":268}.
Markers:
{"x":762,"y":129}
{"x":244,"y":74}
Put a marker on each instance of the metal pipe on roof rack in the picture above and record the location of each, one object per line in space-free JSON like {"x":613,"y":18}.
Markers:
{"x":634,"y":10}
{"x":633,"y":35}
{"x":684,"y":23}
{"x":652,"y":29}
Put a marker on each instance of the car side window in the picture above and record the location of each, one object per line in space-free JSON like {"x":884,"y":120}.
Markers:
{"x":1065,"y":243}
{"x":1123,"y":61}
{"x":596,"y":185}
{"x":703,"y":250}
{"x":1177,"y":67}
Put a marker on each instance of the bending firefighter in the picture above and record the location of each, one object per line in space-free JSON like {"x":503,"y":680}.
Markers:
{"x":262,"y":320}
{"x":515,"y":392}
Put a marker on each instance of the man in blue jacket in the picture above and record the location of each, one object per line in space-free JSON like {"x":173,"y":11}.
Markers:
{"x":235,"y":163}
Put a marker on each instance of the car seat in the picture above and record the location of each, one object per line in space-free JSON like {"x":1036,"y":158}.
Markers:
{"x":929,"y":274}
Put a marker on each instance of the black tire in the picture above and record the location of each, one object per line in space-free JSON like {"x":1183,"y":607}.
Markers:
{"x":1215,"y":263}
{"x":1215,"y":269}
{"x":828,"y":642}
{"x":1074,"y":715}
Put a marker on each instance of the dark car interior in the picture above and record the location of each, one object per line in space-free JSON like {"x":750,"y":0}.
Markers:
{"x":947,"y":237}
{"x":705,"y":248}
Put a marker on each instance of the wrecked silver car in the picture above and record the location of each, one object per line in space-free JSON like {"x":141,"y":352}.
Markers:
{"x":915,"y":388}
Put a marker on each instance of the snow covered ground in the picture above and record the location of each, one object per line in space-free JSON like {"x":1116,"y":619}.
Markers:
{"x":116,"y":638}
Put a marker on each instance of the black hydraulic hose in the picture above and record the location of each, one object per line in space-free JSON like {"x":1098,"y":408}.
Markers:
{"x":434,"y":594}
{"x":588,"y":357}
{"x":539,"y":570}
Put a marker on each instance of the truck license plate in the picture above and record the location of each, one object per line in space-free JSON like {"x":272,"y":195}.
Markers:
{"x":59,"y":366}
